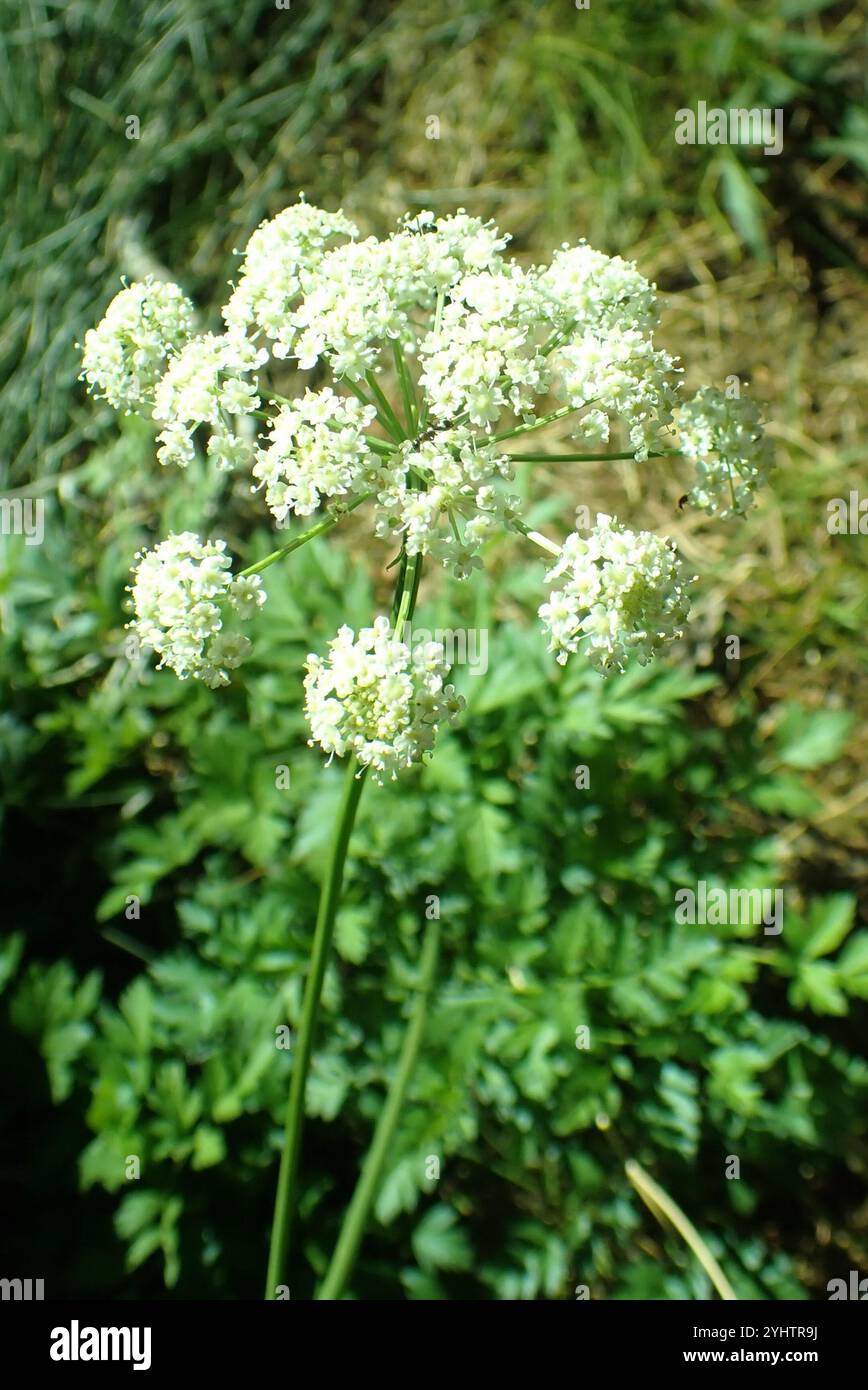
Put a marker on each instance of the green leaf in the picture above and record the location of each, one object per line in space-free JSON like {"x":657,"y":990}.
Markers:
{"x":10,"y":955}
{"x":209,"y":1147}
{"x":439,"y":1243}
{"x":744,"y":204}
{"x":816,"y":986}
{"x":785,"y":795}
{"x":812,"y":738}
{"x":400,"y":1189}
{"x":852,"y":965}
{"x":835,"y":916}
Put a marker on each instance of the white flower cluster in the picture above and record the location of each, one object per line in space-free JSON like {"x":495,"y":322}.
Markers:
{"x":364,"y":294}
{"x":485,"y":355}
{"x":317,"y":449}
{"x":621,"y":373}
{"x":622,"y":591}
{"x":604,"y":312}
{"x":588,"y":292}
{"x":125,"y":355}
{"x":724,"y":438}
{"x":457,"y":509}
{"x":281,"y":253}
{"x":177,"y":592}
{"x":205,"y":382}
{"x":478,"y":344}
{"x":374,"y":698}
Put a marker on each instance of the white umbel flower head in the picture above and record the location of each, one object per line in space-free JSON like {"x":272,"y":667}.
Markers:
{"x":591,"y":292}
{"x":458,"y":509}
{"x":375,"y":698}
{"x":279,"y":255}
{"x":178,"y":592}
{"x":366,"y":293}
{"x":620,"y":373}
{"x":733,"y":456}
{"x":317,"y":449}
{"x":205,"y":383}
{"x":126,"y":354}
{"x":484,"y":357}
{"x":621,"y":592}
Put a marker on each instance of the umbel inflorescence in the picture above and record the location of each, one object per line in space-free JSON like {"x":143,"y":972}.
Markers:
{"x":480,"y":352}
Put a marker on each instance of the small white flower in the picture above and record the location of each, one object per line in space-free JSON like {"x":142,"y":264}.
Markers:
{"x":622,"y":592}
{"x":485,"y":356}
{"x":126,"y":354}
{"x":177,"y":592}
{"x":227,"y":450}
{"x":204,"y":379}
{"x":374,"y":698}
{"x":725,"y":440}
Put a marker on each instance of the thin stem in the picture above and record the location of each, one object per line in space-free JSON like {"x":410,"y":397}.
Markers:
{"x":538,"y":424}
{"x":380,"y":446}
{"x":405,"y":381}
{"x":404,"y":605}
{"x":329,"y":898}
{"x":537,"y":537}
{"x":396,"y":430}
{"x":664,"y":1208}
{"x":357,"y":1213}
{"x":321,"y":527}
{"x":584,"y":458}
{"x":389,"y":423}
{"x":411,"y":573}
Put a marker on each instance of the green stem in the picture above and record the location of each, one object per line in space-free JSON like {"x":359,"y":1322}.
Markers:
{"x":390,"y":420}
{"x":584,"y":458}
{"x":327,"y":523}
{"x":538,"y":424}
{"x":287,"y":1181}
{"x":357,"y":1213}
{"x":408,"y":589}
{"x":405,"y":382}
{"x":658,"y":1201}
{"x":380,"y":446}
{"x":537,"y":537}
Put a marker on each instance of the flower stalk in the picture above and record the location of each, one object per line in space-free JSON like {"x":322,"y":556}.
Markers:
{"x":406,"y":592}
{"x":287,"y":1182}
{"x":357,"y":1213}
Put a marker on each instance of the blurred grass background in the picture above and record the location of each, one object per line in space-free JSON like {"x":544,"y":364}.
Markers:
{"x":559,"y":124}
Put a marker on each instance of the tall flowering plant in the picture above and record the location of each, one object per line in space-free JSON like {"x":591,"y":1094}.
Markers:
{"x":481,"y":353}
